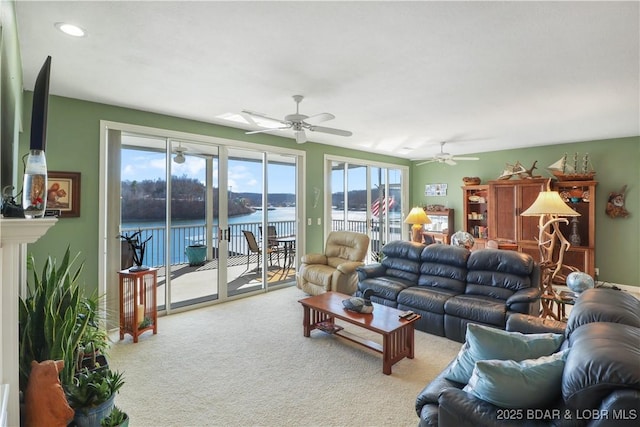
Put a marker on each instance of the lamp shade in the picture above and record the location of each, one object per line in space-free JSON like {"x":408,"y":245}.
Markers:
{"x":417,"y":216}
{"x":549,"y":203}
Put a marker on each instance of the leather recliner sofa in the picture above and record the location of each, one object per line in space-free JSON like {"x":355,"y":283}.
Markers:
{"x":335,"y":269}
{"x":449,"y":286}
{"x":600,"y":383}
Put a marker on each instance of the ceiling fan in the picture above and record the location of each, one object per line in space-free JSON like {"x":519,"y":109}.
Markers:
{"x":179,"y":150}
{"x":443,"y":157}
{"x":297,"y":122}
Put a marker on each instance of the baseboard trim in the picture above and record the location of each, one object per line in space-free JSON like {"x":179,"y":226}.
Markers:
{"x":633,"y":290}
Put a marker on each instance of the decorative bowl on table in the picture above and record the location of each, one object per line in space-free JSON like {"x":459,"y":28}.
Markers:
{"x":462,"y":238}
{"x":579,"y":281}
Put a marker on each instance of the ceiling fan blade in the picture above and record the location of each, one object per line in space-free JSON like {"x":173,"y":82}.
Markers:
{"x":260,"y":116}
{"x":426,"y":162}
{"x":450,"y":162}
{"x":318,"y":118}
{"x":266,"y":130}
{"x":330,"y":130}
{"x":301,"y":137}
{"x":465,"y":158}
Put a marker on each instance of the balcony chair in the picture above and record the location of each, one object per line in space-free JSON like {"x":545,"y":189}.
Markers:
{"x":254,"y":248}
{"x":335,"y":269}
{"x":272,"y":235}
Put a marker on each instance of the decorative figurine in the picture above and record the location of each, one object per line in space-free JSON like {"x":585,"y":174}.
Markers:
{"x":615,"y":205}
{"x":360,"y":304}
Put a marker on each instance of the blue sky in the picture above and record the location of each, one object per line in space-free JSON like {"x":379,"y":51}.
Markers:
{"x":244,"y":176}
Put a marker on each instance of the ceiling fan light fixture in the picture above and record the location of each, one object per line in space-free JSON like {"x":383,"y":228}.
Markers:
{"x":301,"y":137}
{"x":179,"y":158}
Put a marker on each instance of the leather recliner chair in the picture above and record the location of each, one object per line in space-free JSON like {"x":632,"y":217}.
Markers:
{"x":335,"y":269}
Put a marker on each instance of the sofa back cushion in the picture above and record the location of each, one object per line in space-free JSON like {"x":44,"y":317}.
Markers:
{"x":444,"y":266}
{"x":402,"y":259}
{"x":498,"y":273}
{"x":344,"y":246}
{"x":603,"y":358}
{"x":604,"y":305}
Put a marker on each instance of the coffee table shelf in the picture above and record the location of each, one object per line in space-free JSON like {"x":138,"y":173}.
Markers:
{"x":320,"y":312}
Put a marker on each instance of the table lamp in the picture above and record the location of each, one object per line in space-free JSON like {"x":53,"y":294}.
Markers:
{"x":550,"y":208}
{"x":417,"y":218}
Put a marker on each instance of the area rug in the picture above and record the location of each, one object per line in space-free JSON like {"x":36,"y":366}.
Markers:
{"x":247,"y":363}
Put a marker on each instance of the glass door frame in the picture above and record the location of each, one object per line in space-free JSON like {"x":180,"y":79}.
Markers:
{"x":404,"y":170}
{"x":108,"y":280}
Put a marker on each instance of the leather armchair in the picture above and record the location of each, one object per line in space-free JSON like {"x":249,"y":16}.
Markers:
{"x":335,"y":269}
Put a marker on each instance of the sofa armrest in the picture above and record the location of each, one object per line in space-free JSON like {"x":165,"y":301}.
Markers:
{"x":458,"y":408}
{"x":533,"y":325}
{"x":314,"y":259}
{"x":623,"y":403}
{"x":526,"y":295}
{"x":371,"y":270}
{"x":348,"y":267}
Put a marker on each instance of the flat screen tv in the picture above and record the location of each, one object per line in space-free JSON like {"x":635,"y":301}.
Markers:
{"x":40,"y":108}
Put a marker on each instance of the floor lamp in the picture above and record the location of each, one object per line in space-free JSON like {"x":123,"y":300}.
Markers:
{"x":417,"y":218}
{"x":551,"y":210}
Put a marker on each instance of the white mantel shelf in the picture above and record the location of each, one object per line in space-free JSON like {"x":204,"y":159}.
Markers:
{"x":15,"y":233}
{"x":20,"y":230}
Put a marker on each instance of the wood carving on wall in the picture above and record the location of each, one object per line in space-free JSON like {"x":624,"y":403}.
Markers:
{"x":615,"y":204}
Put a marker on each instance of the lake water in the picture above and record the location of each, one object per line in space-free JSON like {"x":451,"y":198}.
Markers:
{"x":186,"y":232}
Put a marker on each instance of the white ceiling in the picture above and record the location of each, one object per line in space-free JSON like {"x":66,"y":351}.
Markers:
{"x":402,"y":76}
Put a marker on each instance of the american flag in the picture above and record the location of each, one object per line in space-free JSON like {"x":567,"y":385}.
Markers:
{"x":375,"y":207}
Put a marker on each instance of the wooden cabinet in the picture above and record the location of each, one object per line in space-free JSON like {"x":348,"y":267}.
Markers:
{"x":441,"y":227}
{"x":507,"y":200}
{"x":493,"y":211}
{"x":476,"y":213}
{"x":580,"y":231}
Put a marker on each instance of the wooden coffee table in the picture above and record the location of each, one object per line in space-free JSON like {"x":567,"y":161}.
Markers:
{"x":320,"y":312}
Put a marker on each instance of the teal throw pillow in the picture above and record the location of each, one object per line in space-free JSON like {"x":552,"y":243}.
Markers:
{"x":531,"y":383}
{"x":484,"y":343}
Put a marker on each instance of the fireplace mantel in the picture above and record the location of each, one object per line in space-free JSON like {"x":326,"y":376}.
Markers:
{"x":15,"y":233}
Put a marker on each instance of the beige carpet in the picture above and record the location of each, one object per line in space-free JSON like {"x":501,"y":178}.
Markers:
{"x":247,"y":363}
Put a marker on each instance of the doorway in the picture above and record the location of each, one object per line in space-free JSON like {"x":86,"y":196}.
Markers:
{"x":192,"y":197}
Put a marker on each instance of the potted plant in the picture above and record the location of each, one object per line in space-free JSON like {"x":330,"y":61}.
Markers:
{"x":94,"y":343}
{"x":91,"y":395}
{"x":52,"y":318}
{"x":196,"y":254}
{"x":116,"y":418}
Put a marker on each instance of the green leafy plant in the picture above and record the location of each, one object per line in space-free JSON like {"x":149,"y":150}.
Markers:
{"x":94,"y":340}
{"x":115,"y":418}
{"x":53,"y":317}
{"x":91,"y":388}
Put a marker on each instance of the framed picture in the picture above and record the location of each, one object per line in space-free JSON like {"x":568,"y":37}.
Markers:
{"x":435,"y":190}
{"x":63,"y":193}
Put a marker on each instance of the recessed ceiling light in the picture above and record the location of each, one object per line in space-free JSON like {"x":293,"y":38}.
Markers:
{"x":70,"y":29}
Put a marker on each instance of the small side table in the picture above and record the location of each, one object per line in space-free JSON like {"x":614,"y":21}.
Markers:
{"x":138,"y":309}
{"x":555,"y":300}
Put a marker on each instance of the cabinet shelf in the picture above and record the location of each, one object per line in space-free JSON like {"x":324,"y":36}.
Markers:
{"x":476,"y":213}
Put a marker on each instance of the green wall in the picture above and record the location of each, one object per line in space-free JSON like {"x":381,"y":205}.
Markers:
{"x":73,"y":145}
{"x":73,"y":142}
{"x":616,"y":162}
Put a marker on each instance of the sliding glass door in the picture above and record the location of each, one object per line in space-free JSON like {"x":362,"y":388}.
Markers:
{"x":368,"y":199}
{"x":218,"y":220}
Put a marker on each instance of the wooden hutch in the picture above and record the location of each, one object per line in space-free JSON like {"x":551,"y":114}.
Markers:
{"x":492,"y":212}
